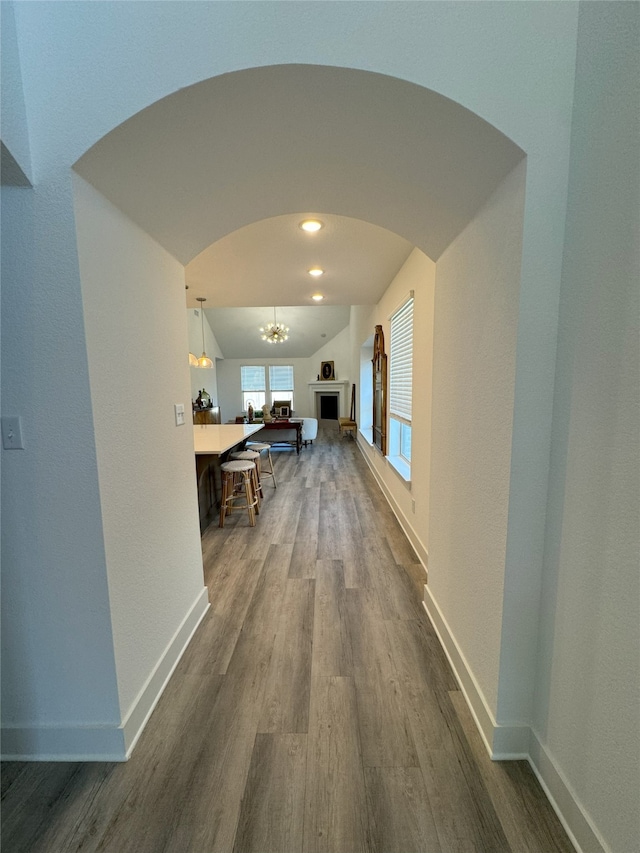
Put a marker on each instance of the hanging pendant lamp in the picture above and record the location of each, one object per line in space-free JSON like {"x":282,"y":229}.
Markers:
{"x":204,"y":360}
{"x":274,"y":333}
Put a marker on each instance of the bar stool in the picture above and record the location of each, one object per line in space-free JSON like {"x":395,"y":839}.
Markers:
{"x":231,"y":474}
{"x":264,"y":472}
{"x":254,"y":457}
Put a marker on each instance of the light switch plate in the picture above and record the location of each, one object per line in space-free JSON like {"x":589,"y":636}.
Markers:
{"x":12,"y":433}
{"x":179,"y":409}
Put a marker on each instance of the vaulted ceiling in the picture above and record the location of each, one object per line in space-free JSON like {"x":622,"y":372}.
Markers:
{"x":221,"y":173}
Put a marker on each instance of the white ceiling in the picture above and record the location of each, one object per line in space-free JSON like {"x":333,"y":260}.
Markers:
{"x":221,"y":172}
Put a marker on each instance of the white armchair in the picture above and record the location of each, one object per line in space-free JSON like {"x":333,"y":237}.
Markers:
{"x":309,"y":430}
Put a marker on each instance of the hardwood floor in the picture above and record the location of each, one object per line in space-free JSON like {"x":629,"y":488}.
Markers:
{"x":313,"y":712}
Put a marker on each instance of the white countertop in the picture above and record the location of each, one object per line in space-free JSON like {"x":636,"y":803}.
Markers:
{"x":216,"y":438}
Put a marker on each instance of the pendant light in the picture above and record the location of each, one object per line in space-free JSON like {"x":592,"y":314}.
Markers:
{"x":274,"y":333}
{"x":204,"y":360}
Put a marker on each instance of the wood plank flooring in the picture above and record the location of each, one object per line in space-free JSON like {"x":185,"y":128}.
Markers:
{"x":313,"y":712}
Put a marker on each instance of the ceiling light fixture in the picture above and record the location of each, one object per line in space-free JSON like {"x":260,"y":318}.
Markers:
{"x":204,"y":360}
{"x":315,"y":271}
{"x":311,"y":225}
{"x":193,"y":361}
{"x":317,"y":297}
{"x":274,"y":333}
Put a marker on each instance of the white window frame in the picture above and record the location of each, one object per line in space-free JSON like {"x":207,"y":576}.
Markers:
{"x":281,"y":393}
{"x":265,"y":395}
{"x":401,"y":386}
{"x":258,"y":395}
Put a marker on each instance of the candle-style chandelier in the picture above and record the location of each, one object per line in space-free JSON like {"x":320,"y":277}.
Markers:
{"x":274,"y":333}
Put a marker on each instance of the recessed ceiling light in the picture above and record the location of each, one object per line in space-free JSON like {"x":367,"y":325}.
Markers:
{"x":316,"y":271}
{"x":318,"y":297}
{"x":311,"y":225}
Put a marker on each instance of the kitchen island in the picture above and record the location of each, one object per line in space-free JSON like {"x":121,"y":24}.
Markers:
{"x":212,"y":444}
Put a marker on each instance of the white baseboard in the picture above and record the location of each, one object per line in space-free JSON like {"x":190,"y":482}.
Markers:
{"x":105,"y":743}
{"x":409,"y":532}
{"x":136,"y":718}
{"x":572,"y":814}
{"x":507,"y":743}
{"x":502,"y":742}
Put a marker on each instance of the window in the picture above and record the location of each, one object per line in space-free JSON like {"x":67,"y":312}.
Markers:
{"x":252,"y":380}
{"x":281,"y":383}
{"x":400,"y":384}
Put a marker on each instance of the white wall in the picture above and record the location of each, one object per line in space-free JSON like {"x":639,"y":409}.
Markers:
{"x":230,"y":395}
{"x":409,"y":501}
{"x":476,"y":310}
{"x":13,"y":122}
{"x":147,"y":479}
{"x":337,"y":350}
{"x":203,"y":377}
{"x":494,"y":58}
{"x":587,"y":708}
{"x":305,"y":370}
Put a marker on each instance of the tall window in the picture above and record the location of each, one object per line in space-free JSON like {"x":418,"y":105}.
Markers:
{"x":252,"y":380}
{"x":281,"y":383}
{"x":400,"y":381}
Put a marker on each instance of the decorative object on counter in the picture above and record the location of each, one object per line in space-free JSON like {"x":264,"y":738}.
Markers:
{"x":250,"y":412}
{"x":202,"y":401}
{"x":266,"y":414}
{"x":327,"y":371}
{"x":204,"y":360}
{"x":274,"y":333}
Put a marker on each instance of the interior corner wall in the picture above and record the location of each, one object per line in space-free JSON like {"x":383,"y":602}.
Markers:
{"x":203,"y":377}
{"x":337,"y":350}
{"x":476,"y":317}
{"x":13,"y":116}
{"x":133,"y":299}
{"x":58,"y":669}
{"x":587,"y":708}
{"x":410,"y":502}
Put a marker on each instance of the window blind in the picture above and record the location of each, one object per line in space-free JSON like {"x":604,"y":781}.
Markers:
{"x":281,"y":377}
{"x":401,"y":362}
{"x":252,"y":377}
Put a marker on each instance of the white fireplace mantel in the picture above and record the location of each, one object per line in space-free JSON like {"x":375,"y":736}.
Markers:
{"x":331,"y":386}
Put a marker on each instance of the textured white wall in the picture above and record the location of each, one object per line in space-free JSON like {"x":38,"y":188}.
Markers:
{"x":15,"y":134}
{"x":476,"y":310}
{"x":587,"y":709}
{"x":417,"y":274}
{"x":146,"y":478}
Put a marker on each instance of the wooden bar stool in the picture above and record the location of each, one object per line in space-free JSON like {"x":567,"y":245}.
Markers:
{"x":264,"y":472}
{"x":254,"y":457}
{"x":238,"y":473}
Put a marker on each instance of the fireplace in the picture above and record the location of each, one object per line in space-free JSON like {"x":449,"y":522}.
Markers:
{"x":332,"y":390}
{"x":327,"y":406}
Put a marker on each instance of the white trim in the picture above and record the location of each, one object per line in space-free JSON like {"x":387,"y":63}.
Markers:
{"x":517,"y":742}
{"x":410,"y":533}
{"x":572,"y":814}
{"x":142,"y":707}
{"x":105,"y":742}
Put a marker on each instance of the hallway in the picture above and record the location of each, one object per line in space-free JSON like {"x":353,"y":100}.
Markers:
{"x":313,"y":711}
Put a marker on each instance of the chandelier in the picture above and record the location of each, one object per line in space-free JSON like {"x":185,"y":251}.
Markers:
{"x":274,"y":333}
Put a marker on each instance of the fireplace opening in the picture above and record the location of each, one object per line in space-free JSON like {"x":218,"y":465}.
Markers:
{"x":329,"y":406}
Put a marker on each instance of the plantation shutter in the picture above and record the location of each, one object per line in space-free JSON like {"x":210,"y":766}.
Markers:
{"x":401,"y":362}
{"x":252,"y":377}
{"x":281,"y":377}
